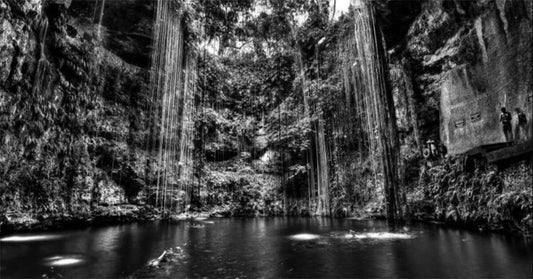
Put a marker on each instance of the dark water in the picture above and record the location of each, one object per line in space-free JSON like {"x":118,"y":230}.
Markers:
{"x":270,"y":248}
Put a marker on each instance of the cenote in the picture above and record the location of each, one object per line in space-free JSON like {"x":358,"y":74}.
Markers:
{"x":267,"y":248}
{"x":297,"y":126}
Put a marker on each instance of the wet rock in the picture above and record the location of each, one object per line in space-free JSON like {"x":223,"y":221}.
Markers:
{"x":7,"y":49}
{"x":159,"y":266}
{"x":27,"y":6}
{"x":126,"y":28}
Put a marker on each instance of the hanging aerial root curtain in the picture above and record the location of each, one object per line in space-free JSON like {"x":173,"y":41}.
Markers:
{"x":366,"y":77}
{"x":173,"y":83}
{"x":40,"y":83}
{"x":98,"y":16}
{"x":317,"y":156}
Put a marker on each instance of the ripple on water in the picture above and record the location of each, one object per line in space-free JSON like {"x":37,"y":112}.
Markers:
{"x":27,"y":238}
{"x":63,"y":260}
{"x":379,"y":235}
{"x":304,"y":236}
{"x":197,"y":226}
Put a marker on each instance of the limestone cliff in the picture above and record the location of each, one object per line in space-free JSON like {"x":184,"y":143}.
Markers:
{"x":458,"y":64}
{"x":72,"y":114}
{"x":466,"y":60}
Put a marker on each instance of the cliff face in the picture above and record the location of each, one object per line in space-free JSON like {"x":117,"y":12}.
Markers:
{"x":467,"y":59}
{"x":73,"y":115}
{"x":458,"y":64}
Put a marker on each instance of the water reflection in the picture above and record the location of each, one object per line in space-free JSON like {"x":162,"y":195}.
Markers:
{"x":272,"y":248}
{"x":27,"y":238}
{"x":63,"y":260}
{"x":379,"y":235}
{"x":304,"y":236}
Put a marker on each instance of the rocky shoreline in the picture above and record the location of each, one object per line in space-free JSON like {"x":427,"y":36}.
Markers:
{"x":101,"y":215}
{"x":124,"y":214}
{"x":493,"y":198}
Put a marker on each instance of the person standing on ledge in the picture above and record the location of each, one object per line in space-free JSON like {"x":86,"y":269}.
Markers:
{"x":521,"y":130}
{"x":505,"y":119}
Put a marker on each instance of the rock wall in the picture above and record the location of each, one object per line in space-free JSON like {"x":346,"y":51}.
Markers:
{"x":459,"y":63}
{"x":473,"y":93}
{"x":467,"y":59}
{"x":498,"y":198}
{"x":73,"y":116}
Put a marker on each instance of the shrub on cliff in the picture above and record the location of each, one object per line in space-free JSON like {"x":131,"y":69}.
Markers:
{"x":493,"y":199}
